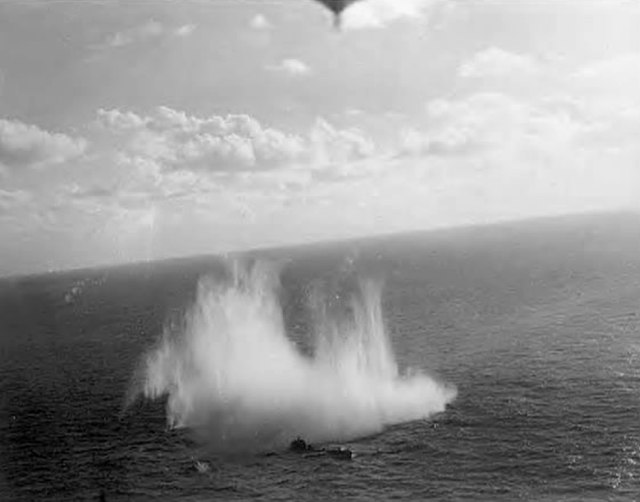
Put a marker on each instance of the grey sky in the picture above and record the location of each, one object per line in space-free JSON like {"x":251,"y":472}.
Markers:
{"x":141,"y":130}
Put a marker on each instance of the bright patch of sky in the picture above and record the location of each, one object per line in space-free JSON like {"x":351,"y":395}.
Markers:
{"x":143,"y":130}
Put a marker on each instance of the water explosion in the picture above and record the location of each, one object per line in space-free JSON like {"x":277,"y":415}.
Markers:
{"x":233,"y":376}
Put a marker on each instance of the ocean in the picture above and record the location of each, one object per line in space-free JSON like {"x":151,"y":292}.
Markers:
{"x":487,"y":363}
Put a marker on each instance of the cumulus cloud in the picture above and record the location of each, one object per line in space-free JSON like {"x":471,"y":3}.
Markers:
{"x":292,"y":67}
{"x":498,"y":63}
{"x":379,"y":13}
{"x":145,"y":32}
{"x":184,"y":30}
{"x":492,"y":122}
{"x":176,"y":140}
{"x":260,"y":22}
{"x":174,"y":152}
{"x":518,"y":102}
{"x":339,"y":146}
{"x":24,"y":145}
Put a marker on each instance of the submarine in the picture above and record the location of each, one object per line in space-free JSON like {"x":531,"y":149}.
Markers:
{"x":299,"y":445}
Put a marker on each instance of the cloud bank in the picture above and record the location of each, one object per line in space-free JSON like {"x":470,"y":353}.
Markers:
{"x":24,"y":145}
{"x":175,"y":140}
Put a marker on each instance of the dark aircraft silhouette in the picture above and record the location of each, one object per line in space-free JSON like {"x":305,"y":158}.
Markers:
{"x":336,"y":6}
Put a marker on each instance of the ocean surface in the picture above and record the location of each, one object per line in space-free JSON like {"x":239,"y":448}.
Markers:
{"x":534,"y":327}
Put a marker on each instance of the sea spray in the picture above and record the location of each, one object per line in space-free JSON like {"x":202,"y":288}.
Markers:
{"x":231,"y":374}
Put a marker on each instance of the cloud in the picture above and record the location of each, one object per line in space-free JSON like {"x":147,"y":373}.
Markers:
{"x":173,"y":152}
{"x":292,"y":67}
{"x":597,"y":104}
{"x":149,"y":30}
{"x":184,"y":30}
{"x":145,"y":32}
{"x":490,"y":122}
{"x":501,"y":155}
{"x":118,"y":121}
{"x":498,"y":63}
{"x":23,"y":145}
{"x":612,"y":81}
{"x":339,"y":146}
{"x":515,"y":102}
{"x":135,"y":182}
{"x":260,"y":22}
{"x":10,"y":199}
{"x":177,"y":141}
{"x":379,"y":13}
{"x":464,"y":126}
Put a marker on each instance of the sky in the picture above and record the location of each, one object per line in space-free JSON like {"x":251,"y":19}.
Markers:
{"x":142,"y":130}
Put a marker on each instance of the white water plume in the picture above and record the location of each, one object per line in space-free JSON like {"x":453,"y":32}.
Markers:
{"x":232,"y":374}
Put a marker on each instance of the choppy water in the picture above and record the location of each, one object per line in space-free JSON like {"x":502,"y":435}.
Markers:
{"x":537,"y":325}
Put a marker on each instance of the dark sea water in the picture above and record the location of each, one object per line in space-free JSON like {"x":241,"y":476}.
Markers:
{"x":536,"y":324}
